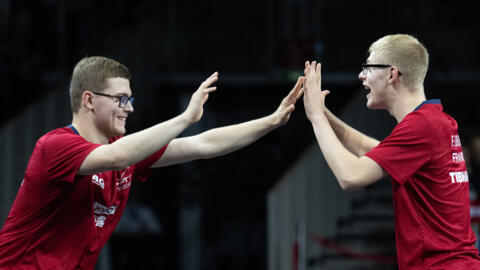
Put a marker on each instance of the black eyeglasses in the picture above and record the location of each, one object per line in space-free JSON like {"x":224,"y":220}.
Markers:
{"x":122,"y":100}
{"x":366,"y":66}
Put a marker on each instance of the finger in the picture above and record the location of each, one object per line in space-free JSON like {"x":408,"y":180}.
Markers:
{"x":209,"y":90}
{"x":319,"y":74}
{"x":288,"y":110}
{"x":294,"y":92}
{"x":298,"y":87}
{"x":299,"y":83}
{"x":209,"y":81}
{"x":307,"y":68}
{"x":291,"y":108}
{"x":212,"y":78}
{"x":300,"y":93}
{"x":214,"y":74}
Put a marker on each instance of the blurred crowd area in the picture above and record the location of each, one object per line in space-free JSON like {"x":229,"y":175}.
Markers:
{"x":25,"y":44}
{"x":40,"y":41}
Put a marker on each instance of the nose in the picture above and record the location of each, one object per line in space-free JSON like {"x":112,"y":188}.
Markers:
{"x":129,"y":107}
{"x":361,"y":75}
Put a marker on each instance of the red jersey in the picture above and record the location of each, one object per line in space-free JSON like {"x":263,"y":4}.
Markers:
{"x":61,"y":220}
{"x":424,"y":157}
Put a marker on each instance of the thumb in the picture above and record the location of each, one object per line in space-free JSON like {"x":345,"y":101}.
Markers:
{"x":290,"y":108}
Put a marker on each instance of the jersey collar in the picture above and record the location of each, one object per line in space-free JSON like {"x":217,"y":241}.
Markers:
{"x":73,"y":129}
{"x":430,"y":101}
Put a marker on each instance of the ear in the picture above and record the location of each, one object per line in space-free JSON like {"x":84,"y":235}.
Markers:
{"x":394,"y":76}
{"x":87,"y":99}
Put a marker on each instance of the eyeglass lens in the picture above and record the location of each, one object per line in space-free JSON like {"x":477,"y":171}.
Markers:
{"x":124,"y":100}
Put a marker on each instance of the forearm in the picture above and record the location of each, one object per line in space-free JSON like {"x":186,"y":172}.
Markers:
{"x":345,"y":165}
{"x":140,"y":145}
{"x":223,"y":140}
{"x":350,"y":167}
{"x":355,"y":141}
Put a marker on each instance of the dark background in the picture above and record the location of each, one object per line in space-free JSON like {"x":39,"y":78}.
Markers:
{"x":259,"y":48}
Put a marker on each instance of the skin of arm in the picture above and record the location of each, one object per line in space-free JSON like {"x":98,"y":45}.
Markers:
{"x":355,"y":141}
{"x":135,"y":147}
{"x":224,"y":140}
{"x":351,"y":171}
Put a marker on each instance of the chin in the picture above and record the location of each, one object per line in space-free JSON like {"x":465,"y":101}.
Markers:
{"x":369,"y":104}
{"x":119,"y":132}
{"x":372,"y":106}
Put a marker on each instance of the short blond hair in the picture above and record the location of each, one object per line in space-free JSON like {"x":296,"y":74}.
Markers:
{"x":406,"y":53}
{"x":91,"y":73}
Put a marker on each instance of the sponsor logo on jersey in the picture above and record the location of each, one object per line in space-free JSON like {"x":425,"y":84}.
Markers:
{"x":98,"y":181}
{"x":100,"y":221}
{"x":102,"y":212}
{"x":458,"y":157}
{"x":456,"y":141}
{"x":124,"y":182}
{"x":101,"y":209}
{"x":459,"y":177}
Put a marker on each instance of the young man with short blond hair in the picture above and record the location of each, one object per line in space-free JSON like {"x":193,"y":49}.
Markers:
{"x":422,"y":155}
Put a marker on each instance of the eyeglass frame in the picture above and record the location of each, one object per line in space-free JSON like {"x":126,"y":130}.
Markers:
{"x":365,"y":66}
{"x":125,"y":99}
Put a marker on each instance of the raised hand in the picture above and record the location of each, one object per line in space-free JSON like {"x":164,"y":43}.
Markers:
{"x":314,"y":97}
{"x":194,"y":110}
{"x":288,"y":103}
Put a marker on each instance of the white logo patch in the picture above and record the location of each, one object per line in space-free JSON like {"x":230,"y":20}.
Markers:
{"x":124,"y":182}
{"x":101,"y":209}
{"x":98,"y":181}
{"x":100,"y":221}
{"x":459,"y":177}
{"x":102,"y":212}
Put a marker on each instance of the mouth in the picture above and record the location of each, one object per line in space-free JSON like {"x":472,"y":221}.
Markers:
{"x":369,"y":94}
{"x":122,"y":118}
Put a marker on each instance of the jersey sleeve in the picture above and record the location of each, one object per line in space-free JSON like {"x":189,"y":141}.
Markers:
{"x":142,"y":168}
{"x":406,"y":149}
{"x":58,"y":157}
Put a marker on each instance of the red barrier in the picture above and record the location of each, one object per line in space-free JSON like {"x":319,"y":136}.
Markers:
{"x":295,"y":256}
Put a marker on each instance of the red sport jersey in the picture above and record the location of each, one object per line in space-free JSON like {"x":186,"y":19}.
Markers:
{"x":61,"y":220}
{"x":423,"y":156}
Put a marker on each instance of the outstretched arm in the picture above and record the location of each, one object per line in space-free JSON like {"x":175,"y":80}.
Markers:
{"x":224,"y":140}
{"x":133,"y":148}
{"x":350,"y":170}
{"x":355,"y":141}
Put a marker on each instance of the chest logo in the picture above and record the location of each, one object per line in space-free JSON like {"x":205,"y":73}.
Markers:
{"x":124,"y":181}
{"x":98,"y":181}
{"x":102,"y":212}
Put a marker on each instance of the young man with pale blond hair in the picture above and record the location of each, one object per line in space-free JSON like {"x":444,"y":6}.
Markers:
{"x":423,"y":155}
{"x":78,"y":178}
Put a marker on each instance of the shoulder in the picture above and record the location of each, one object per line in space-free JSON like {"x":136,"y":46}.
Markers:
{"x":413,"y":123}
{"x":60,"y":137}
{"x":56,"y":134}
{"x":433,"y":116}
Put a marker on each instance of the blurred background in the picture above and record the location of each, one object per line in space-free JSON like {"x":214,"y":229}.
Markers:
{"x":274,"y":204}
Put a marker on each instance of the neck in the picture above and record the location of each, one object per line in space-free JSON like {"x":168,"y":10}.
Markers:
{"x":405,"y":102}
{"x":87,"y":129}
